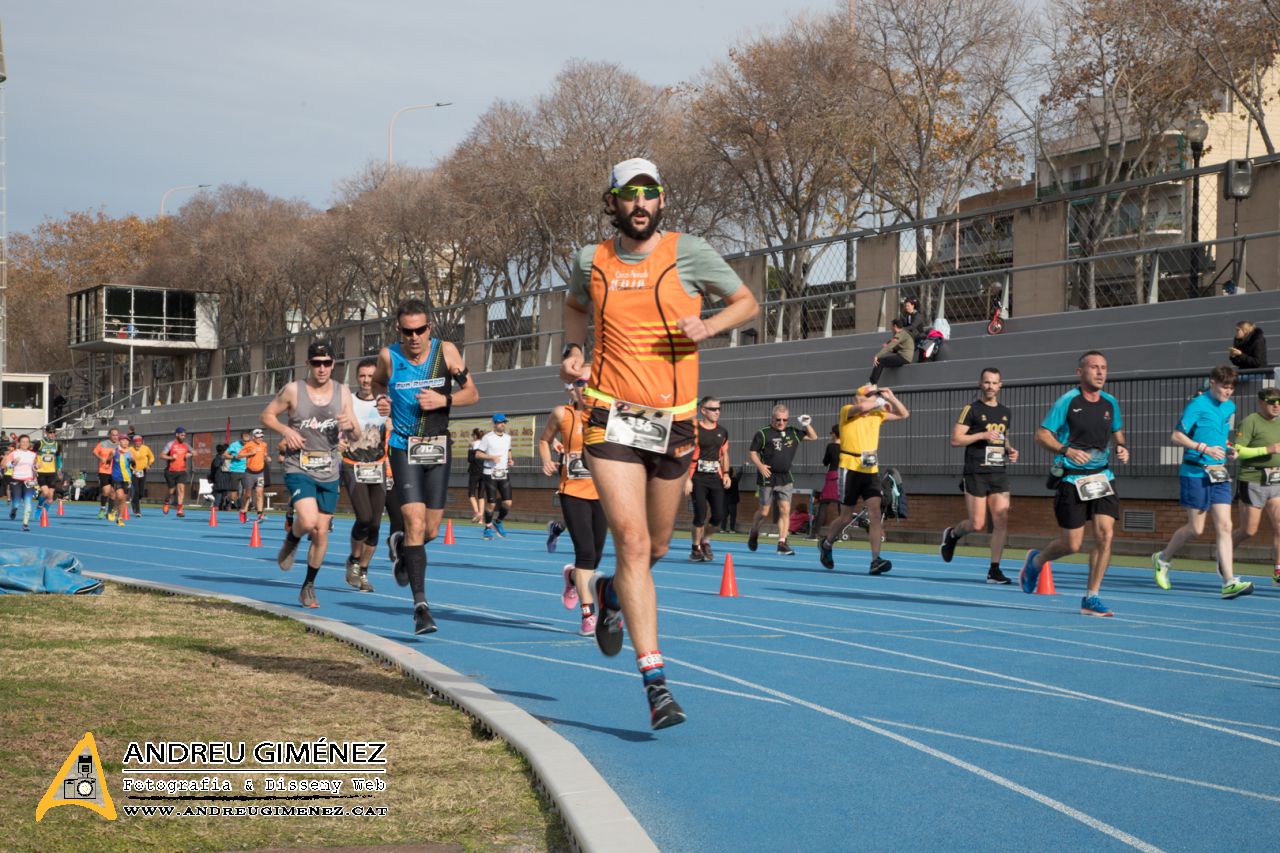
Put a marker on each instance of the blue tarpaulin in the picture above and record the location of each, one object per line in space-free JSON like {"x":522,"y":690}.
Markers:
{"x":44,"y":570}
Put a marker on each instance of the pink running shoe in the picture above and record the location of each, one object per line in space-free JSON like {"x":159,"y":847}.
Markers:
{"x":569,"y":598}
{"x":588,"y":625}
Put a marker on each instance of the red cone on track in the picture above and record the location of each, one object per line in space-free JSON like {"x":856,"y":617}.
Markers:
{"x":448,"y":532}
{"x":728,"y":583}
{"x":44,"y":517}
{"x":255,"y":538}
{"x":126,"y":512}
{"x":213,"y":516}
{"x":1045,"y":585}
{"x":59,"y":507}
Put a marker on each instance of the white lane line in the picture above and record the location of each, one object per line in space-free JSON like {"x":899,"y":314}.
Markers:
{"x":855,"y":664}
{"x":951,"y":622}
{"x":1142,"y":709}
{"x":1236,"y":722}
{"x":1045,"y":800}
{"x":1079,"y":760}
{"x":561,"y":661}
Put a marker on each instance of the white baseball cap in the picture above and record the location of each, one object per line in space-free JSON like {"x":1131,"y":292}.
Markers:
{"x":628,"y":169}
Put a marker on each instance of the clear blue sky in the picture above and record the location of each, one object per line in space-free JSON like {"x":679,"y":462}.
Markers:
{"x":110,"y":104}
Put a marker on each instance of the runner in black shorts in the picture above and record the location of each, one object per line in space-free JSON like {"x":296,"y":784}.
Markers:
{"x":709,"y":480}
{"x":494,"y":453}
{"x":364,"y":476}
{"x":983,"y":432}
{"x":1079,"y":430}
{"x":417,"y":379}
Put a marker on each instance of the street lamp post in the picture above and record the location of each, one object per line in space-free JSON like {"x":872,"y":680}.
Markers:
{"x":165,"y":197}
{"x":1196,"y":131}
{"x":392,"y":124}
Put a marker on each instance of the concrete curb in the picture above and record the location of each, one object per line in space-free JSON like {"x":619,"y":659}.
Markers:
{"x":594,"y":817}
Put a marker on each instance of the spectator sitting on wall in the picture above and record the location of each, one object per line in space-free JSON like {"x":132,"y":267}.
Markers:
{"x":897,"y":351}
{"x":1249,"y":349}
{"x":913,"y":320}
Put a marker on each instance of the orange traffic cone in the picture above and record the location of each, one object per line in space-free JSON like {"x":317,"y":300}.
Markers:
{"x":44,"y":517}
{"x":1045,"y":585}
{"x":213,"y":516}
{"x":728,"y":583}
{"x":255,"y":538}
{"x":59,"y":507}
{"x":126,"y":512}
{"x":448,"y":532}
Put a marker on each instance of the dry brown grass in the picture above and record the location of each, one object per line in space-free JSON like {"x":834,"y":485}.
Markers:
{"x":135,"y":666}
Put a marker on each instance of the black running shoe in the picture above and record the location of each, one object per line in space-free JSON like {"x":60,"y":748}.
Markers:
{"x":948,"y":547}
{"x":753,"y":540}
{"x":786,"y":550}
{"x":664,"y":711}
{"x":880,"y":565}
{"x":353,"y":573}
{"x":608,"y":621}
{"x":398,"y":570}
{"x":824,"y":554}
{"x":554,"y":529}
{"x":288,"y":550}
{"x":997,"y":576}
{"x":695,"y":555}
{"x":422,"y":621}
{"x":707,"y":556}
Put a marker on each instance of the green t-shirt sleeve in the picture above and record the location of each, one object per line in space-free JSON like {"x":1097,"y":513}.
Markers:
{"x":580,"y":276}
{"x":703,"y":270}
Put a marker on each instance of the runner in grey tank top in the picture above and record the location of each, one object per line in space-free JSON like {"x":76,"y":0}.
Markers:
{"x":317,"y":423}
{"x":317,"y":412}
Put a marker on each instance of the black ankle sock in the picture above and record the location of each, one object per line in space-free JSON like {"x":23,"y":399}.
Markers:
{"x":502,"y":513}
{"x":415,"y":562}
{"x":995,"y":567}
{"x":312,"y":573}
{"x":488,"y":518}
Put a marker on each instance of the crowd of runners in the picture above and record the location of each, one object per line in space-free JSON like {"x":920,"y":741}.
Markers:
{"x":633,"y":438}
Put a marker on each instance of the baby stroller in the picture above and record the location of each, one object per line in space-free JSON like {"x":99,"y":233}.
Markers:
{"x":930,"y":345}
{"x":893,"y":504}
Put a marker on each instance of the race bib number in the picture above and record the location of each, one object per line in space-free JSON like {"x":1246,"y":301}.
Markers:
{"x":49,"y":458}
{"x":1093,"y":487}
{"x":868,"y":460}
{"x":315,"y":462}
{"x":708,"y":466}
{"x":1271,"y":476}
{"x":638,"y":426}
{"x":428,"y":450}
{"x":993,"y":456}
{"x":369,"y":472}
{"x":498,"y":474}
{"x":1217,"y":473}
{"x":575,"y":468}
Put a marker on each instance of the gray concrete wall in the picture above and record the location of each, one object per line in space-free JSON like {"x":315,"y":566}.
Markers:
{"x":877,"y":266}
{"x":1039,"y":236}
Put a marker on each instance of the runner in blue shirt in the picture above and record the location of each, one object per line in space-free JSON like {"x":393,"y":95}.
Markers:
{"x":1204,"y":483}
{"x":1079,"y":430}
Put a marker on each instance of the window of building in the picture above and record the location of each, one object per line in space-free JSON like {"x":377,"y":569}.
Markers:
{"x":24,"y":395}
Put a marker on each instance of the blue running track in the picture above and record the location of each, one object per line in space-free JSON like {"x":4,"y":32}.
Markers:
{"x":922,"y":709}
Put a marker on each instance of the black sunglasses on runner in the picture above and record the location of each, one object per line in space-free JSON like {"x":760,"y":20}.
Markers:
{"x":413,"y":333}
{"x":321,"y":362}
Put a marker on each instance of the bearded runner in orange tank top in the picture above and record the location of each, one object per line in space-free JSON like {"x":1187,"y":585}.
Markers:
{"x":645,"y":291}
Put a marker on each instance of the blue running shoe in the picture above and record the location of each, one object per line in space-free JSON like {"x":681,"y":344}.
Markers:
{"x":1091,"y":605}
{"x":1028,"y":577}
{"x":554,"y":529}
{"x":499,"y":529}
{"x":487,"y":535}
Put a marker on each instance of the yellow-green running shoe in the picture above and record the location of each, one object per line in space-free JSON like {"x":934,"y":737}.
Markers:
{"x":1161,"y":568}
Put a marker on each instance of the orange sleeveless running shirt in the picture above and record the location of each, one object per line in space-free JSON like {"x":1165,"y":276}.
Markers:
{"x":572,"y":424}
{"x":641,"y":356}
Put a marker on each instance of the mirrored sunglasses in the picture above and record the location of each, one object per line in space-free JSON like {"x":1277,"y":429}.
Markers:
{"x":631,"y":193}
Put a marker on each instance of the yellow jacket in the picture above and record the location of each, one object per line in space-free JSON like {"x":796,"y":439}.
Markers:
{"x":143,"y":458}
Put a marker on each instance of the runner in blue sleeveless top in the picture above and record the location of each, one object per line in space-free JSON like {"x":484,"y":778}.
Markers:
{"x":414,"y":382}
